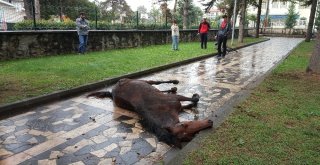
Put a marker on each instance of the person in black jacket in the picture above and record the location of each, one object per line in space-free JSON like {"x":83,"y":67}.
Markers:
{"x":222,"y":36}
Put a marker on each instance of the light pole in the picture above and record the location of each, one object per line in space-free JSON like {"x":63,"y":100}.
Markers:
{"x":234,"y":20}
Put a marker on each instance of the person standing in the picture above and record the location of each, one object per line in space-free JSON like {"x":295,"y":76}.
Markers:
{"x":175,"y":35}
{"x":83,"y":31}
{"x":204,"y":28}
{"x":222,"y":36}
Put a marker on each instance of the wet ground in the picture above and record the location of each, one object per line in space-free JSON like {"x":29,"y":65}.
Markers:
{"x":92,"y":131}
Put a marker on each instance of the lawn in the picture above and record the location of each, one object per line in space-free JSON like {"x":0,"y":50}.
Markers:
{"x":26,"y":78}
{"x":278,"y":124}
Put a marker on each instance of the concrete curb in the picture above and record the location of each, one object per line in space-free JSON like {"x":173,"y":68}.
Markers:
{"x":176,"y":157}
{"x":26,"y":104}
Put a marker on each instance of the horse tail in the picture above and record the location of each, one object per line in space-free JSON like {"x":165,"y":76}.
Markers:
{"x":161,"y":133}
{"x":101,"y":95}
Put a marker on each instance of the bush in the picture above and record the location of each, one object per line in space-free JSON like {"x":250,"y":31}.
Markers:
{"x":71,"y":25}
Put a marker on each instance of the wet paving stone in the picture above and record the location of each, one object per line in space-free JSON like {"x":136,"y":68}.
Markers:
{"x":83,"y":130}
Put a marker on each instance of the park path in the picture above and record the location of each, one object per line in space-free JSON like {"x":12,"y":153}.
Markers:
{"x":92,"y":131}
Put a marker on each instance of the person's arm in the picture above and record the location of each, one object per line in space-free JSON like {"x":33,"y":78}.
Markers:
{"x":87,"y":25}
{"x":199,"y":28}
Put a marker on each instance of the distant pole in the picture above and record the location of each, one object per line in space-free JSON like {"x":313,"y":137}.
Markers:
{"x":96,"y":18}
{"x":34,"y":14}
{"x":137,"y":19}
{"x":96,"y":10}
{"x":234,"y":20}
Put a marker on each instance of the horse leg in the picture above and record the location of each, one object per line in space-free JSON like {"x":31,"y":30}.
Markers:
{"x":194,"y":99}
{"x":172,"y":90}
{"x":151,"y":82}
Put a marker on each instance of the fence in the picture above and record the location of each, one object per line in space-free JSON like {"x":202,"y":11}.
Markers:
{"x":61,"y":15}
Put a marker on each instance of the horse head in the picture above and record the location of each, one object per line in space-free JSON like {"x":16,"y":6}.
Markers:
{"x":185,"y":131}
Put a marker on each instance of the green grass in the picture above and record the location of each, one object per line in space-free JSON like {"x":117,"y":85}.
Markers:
{"x":21,"y":79}
{"x":278,"y":124}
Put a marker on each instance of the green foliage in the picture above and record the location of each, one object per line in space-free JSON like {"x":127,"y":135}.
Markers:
{"x":194,"y":14}
{"x":70,"y":8}
{"x":71,"y":25}
{"x":292,"y":17}
{"x":44,"y":25}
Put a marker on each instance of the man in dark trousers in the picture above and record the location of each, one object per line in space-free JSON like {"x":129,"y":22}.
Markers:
{"x":222,"y":36}
{"x":204,"y":28}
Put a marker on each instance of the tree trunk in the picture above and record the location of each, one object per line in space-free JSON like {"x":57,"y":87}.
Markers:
{"x":314,"y":62}
{"x":185,"y":14}
{"x":37,"y":9}
{"x":242,"y":21}
{"x":175,"y":7}
{"x":266,"y":21}
{"x":28,"y":9}
{"x":258,"y":18}
{"x":311,"y":20}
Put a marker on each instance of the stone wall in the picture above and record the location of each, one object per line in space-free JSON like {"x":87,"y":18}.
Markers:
{"x":26,"y":44}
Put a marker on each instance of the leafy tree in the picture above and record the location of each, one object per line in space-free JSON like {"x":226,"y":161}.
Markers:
{"x":112,"y":10}
{"x":292,"y":17}
{"x":154,"y":15}
{"x":142,"y":11}
{"x":252,"y":18}
{"x":194,"y":13}
{"x":69,"y":8}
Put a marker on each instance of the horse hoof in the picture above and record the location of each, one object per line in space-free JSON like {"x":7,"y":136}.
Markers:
{"x":210,"y":122}
{"x":195,"y":97}
{"x":174,"y":89}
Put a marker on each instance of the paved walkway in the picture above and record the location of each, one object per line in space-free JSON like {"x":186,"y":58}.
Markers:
{"x":92,"y":131}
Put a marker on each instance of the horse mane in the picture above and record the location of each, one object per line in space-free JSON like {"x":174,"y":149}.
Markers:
{"x":161,"y":133}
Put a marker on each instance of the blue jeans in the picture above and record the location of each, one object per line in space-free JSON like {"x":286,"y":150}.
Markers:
{"x":83,"y":39}
{"x":175,"y":42}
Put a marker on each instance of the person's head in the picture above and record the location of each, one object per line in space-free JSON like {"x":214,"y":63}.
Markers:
{"x":174,"y":21}
{"x":204,"y":19}
{"x":82,"y":15}
{"x":224,"y":17}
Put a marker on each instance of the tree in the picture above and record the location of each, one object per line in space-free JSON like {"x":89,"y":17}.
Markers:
{"x":142,"y":11}
{"x":29,"y":8}
{"x":314,"y":62}
{"x":154,"y":15}
{"x":194,"y":13}
{"x":242,"y":22}
{"x":317,"y":21}
{"x":185,"y":13}
{"x":252,"y":18}
{"x":69,"y":8}
{"x":313,"y":4}
{"x":258,"y":18}
{"x":113,"y":10}
{"x":292,"y":17}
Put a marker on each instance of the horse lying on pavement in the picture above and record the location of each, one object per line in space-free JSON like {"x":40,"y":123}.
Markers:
{"x":159,"y":110}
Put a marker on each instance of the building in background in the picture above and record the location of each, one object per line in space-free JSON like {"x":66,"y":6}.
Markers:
{"x":11,"y":11}
{"x":278,"y":14}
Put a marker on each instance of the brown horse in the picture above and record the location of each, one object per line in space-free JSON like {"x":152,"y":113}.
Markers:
{"x":159,"y":111}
